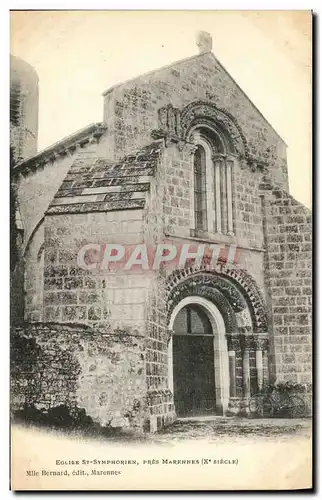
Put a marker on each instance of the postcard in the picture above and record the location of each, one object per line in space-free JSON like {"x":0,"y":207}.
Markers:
{"x":161,"y":250}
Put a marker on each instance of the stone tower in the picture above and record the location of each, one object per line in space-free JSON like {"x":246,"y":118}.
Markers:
{"x":23,"y":109}
{"x":23,"y":144}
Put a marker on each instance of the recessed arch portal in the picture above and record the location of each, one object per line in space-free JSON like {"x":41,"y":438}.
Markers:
{"x":238,"y":340}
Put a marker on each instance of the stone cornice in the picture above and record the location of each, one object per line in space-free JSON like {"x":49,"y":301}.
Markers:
{"x":68,"y":145}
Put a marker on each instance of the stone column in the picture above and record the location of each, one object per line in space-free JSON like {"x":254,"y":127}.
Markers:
{"x":229,"y":167}
{"x":261,"y":345}
{"x":223,"y":189}
{"x":247,"y":345}
{"x":259,"y":368}
{"x":170,"y":334}
{"x":232,"y":373}
{"x":233,"y":342}
{"x":218,"y":161}
{"x":265,"y":366}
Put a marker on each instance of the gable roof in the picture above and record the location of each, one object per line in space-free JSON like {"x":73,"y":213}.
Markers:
{"x":98,"y":185}
{"x":185,"y":60}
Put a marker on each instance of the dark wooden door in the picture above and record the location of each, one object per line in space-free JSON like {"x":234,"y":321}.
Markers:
{"x":193,"y":375}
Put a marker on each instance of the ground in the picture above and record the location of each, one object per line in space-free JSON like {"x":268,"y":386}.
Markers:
{"x":219,"y":428}
{"x":210,"y":429}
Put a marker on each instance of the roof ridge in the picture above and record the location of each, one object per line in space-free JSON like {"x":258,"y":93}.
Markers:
{"x":175,"y":63}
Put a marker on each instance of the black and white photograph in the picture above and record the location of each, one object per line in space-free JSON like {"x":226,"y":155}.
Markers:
{"x":161,"y":250}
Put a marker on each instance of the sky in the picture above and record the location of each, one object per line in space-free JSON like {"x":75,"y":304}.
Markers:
{"x":80,"y":54}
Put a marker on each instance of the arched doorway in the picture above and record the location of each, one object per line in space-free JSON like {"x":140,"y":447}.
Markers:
{"x":198,"y":359}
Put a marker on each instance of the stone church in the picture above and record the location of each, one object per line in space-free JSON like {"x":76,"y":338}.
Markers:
{"x":182,"y":156}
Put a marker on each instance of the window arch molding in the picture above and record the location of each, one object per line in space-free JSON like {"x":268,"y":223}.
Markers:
{"x":217,"y":139}
{"x":204,"y":111}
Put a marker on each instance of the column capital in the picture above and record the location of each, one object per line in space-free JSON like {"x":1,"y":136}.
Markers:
{"x":230,"y":160}
{"x":189,"y":147}
{"x":218,"y":157}
{"x":261,"y":341}
{"x":233,"y":341}
{"x":248,"y":342}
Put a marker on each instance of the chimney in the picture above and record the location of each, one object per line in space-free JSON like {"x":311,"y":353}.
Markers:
{"x":204,"y":42}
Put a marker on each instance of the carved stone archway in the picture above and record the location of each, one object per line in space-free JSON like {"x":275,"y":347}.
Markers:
{"x":176,"y":125}
{"x":230,"y":283}
{"x":205,"y":111}
{"x":231,"y":292}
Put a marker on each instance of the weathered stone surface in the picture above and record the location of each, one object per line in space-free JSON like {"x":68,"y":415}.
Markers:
{"x":289,"y":285}
{"x":62,"y":364}
{"x":131,"y":109}
{"x":96,"y":185}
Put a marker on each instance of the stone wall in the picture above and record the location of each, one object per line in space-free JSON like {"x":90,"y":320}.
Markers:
{"x":159,"y":396}
{"x":288,"y":238}
{"x":106,"y":300}
{"x":131,"y":109}
{"x":172,"y":221}
{"x":174,"y":181}
{"x":247,"y":208}
{"x":178,"y":201}
{"x":33,"y":285}
{"x":178,"y":191}
{"x":101,"y":299}
{"x":37,"y":188}
{"x":81,"y":368}
{"x":17,"y":298}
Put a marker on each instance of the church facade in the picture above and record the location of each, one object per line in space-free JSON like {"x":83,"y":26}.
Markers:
{"x":182,"y":160}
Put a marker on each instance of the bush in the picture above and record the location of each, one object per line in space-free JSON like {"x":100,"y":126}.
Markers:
{"x":285,"y":387}
{"x":60,"y":416}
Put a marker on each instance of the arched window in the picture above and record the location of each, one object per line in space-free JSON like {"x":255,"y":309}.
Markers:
{"x":213,"y":205}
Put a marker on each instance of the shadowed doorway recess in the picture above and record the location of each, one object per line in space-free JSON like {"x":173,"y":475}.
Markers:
{"x":193,"y":363}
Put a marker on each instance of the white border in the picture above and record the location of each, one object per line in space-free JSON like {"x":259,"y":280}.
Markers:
{"x":4,"y":171}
